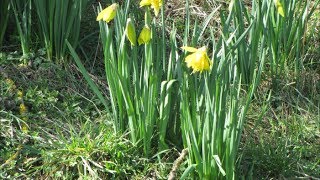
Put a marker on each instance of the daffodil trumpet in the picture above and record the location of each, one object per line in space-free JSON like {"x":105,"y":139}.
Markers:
{"x":198,"y":60}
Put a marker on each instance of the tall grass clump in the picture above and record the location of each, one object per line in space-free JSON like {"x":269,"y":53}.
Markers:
{"x":59,"y":20}
{"x":22,"y":13}
{"x":250,"y":52}
{"x":285,"y":29}
{"x":4,"y":15}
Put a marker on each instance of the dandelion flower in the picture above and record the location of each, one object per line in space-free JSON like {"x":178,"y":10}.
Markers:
{"x":279,"y":7}
{"x":198,"y":60}
{"x":155,"y":5}
{"x":131,"y":32}
{"x":145,"y":35}
{"x":108,"y":13}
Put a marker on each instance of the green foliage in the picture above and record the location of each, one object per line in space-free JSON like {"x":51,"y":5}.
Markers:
{"x":51,"y":125}
{"x":59,"y":20}
{"x":4,"y":15}
{"x":22,"y":13}
{"x":135,"y":84}
{"x":285,"y":145}
{"x":67,"y":137}
{"x":285,"y":37}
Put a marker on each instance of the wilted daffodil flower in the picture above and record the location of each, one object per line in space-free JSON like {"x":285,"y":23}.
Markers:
{"x":131,"y":32}
{"x":198,"y":60}
{"x":279,"y":7}
{"x":145,"y":35}
{"x":108,"y":13}
{"x":155,"y":5}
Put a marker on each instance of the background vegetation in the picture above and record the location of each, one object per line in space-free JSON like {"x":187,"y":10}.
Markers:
{"x":54,"y":126}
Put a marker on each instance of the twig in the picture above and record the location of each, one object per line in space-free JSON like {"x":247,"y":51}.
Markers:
{"x":177,"y":163}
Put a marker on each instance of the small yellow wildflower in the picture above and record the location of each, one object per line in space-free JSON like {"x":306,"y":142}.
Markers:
{"x":24,"y":128}
{"x":131,"y":32}
{"x":108,"y":13}
{"x":198,"y":60}
{"x":11,"y":84}
{"x":155,"y":5}
{"x":22,"y":109}
{"x":145,"y":35}
{"x":19,"y":94}
{"x":279,"y":7}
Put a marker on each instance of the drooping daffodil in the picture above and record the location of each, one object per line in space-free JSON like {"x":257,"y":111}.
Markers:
{"x":155,"y":5}
{"x":131,"y":32}
{"x":145,"y":35}
{"x":198,"y":60}
{"x":279,"y":7}
{"x":108,"y":13}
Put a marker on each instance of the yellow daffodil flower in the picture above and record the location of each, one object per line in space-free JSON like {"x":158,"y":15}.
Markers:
{"x":108,"y":13}
{"x":145,"y":35}
{"x":155,"y":5}
{"x":198,"y":60}
{"x":279,"y":7}
{"x":131,"y":32}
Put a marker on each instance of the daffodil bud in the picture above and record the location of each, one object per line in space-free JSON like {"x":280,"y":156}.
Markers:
{"x":145,"y":35}
{"x":131,"y":32}
{"x":108,"y":13}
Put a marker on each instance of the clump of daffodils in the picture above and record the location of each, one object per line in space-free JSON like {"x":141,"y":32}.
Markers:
{"x":108,"y":13}
{"x":198,"y":60}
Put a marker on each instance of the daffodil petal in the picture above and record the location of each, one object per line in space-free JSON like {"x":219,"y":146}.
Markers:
{"x":156,"y":5}
{"x":145,"y":3}
{"x":108,"y":13}
{"x":189,"y":49}
{"x":279,"y":7}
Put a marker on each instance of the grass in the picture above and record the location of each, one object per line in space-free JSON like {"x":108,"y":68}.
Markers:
{"x":68,"y":136}
{"x":285,"y":144}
